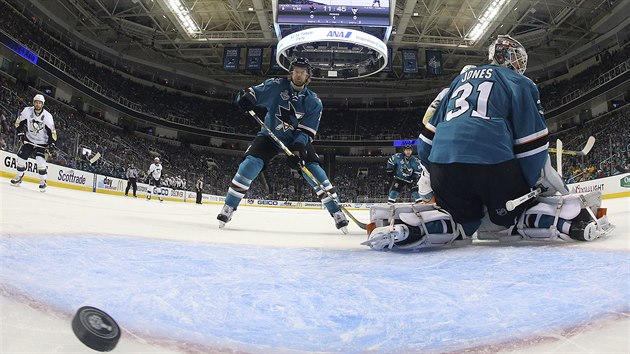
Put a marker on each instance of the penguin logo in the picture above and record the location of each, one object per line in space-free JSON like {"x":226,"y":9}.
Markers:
{"x":37,"y":126}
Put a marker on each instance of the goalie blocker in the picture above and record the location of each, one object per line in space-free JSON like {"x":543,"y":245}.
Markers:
{"x":572,"y":217}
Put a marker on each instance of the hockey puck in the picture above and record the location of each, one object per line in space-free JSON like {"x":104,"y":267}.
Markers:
{"x":95,"y":329}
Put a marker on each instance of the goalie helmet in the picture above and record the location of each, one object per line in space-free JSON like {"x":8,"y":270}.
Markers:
{"x":40,"y":98}
{"x":507,"y":52}
{"x":301,"y":62}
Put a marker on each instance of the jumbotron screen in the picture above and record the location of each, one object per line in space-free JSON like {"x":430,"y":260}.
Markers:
{"x":334,"y":12}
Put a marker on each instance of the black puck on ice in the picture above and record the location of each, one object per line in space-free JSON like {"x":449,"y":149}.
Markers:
{"x":96,"y":329}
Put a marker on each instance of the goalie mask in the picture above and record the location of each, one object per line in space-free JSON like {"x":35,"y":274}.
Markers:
{"x":507,"y":52}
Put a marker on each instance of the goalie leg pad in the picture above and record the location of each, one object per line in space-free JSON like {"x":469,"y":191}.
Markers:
{"x":380,"y":214}
{"x":546,"y":220}
{"x":422,"y":226}
{"x":567,"y":217}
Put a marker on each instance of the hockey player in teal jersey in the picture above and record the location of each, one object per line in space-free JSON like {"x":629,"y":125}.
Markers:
{"x":293,"y":114}
{"x":485,"y":145}
{"x":404,"y":169}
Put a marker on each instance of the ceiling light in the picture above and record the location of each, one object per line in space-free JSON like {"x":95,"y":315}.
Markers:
{"x":485,"y":19}
{"x":183,"y":16}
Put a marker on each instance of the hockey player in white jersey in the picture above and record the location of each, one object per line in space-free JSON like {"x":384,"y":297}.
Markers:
{"x":36,"y":129}
{"x":155,"y":174}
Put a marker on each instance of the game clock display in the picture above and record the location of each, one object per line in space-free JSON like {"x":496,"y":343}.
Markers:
{"x":348,"y":12}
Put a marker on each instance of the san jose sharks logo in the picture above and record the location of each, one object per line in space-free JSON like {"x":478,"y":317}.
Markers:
{"x":285,"y":115}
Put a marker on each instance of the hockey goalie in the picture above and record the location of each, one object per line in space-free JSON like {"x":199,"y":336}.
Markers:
{"x":485,"y":146}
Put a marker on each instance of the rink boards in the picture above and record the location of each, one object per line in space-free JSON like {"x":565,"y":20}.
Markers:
{"x":60,"y":176}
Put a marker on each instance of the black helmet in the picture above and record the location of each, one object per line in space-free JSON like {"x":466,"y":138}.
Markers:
{"x":408,"y":146}
{"x":301,"y":62}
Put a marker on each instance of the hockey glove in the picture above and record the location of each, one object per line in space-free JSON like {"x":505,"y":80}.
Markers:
{"x":390,"y":174}
{"x":296,"y":161}
{"x":245,"y":100}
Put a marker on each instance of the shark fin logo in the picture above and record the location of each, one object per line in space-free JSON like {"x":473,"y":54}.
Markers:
{"x":285,"y":115}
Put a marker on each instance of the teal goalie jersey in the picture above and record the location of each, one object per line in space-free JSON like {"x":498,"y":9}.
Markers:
{"x":489,"y":115}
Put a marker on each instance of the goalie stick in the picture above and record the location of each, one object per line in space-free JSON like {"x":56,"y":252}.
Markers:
{"x":512,"y":204}
{"x":587,"y":148}
{"x":305,"y":169}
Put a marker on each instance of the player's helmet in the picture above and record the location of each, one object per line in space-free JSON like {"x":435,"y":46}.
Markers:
{"x":40,"y":98}
{"x":408,"y":146}
{"x":508,"y":52}
{"x":156,"y":160}
{"x":301,"y":62}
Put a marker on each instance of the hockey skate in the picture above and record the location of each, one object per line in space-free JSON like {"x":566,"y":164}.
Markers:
{"x":42,"y":187}
{"x":387,"y":236}
{"x":225,"y":215}
{"x":340,"y":221}
{"x":586,"y":228}
{"x":16,"y":181}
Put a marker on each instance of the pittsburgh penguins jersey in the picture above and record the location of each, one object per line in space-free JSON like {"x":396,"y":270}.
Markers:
{"x":155,"y":171}
{"x":405,"y":168}
{"x":40,"y":129}
{"x":303,"y":109}
{"x":490,"y":115}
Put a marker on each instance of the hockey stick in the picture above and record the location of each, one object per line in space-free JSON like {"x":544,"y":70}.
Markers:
{"x":587,"y":148}
{"x":36,"y":145}
{"x":512,"y":204}
{"x":42,"y":146}
{"x":559,"y":150}
{"x":305,"y":169}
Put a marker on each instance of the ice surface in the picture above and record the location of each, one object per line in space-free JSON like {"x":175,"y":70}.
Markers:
{"x":288,"y":281}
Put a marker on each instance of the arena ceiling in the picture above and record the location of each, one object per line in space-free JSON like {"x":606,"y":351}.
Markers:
{"x":551,"y":30}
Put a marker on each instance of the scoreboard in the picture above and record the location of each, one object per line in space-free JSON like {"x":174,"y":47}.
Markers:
{"x":348,"y":12}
